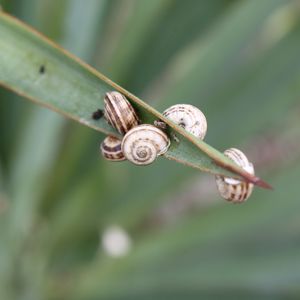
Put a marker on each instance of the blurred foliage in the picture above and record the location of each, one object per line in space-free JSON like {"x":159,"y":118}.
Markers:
{"x":236,"y":60}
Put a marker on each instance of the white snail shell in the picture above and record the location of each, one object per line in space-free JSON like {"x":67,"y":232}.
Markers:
{"x":142,"y":144}
{"x":231,"y":189}
{"x":119,"y":112}
{"x":111,"y":149}
{"x":189,"y":117}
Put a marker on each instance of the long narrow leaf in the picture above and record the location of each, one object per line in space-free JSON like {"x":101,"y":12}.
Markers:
{"x":39,"y":70}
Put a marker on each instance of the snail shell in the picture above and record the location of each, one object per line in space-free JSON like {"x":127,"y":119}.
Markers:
{"x":189,"y":117}
{"x":111,"y":149}
{"x":142,"y":144}
{"x":234,"y":190}
{"x":119,"y":112}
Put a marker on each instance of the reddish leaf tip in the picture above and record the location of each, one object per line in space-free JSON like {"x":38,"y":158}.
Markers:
{"x":259,"y":182}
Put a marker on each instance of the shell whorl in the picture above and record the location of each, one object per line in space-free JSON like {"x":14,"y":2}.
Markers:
{"x":111,"y":149}
{"x":189,"y":117}
{"x":142,"y":144}
{"x":231,"y":189}
{"x":119,"y":112}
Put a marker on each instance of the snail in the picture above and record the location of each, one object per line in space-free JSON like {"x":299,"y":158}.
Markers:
{"x":98,"y":114}
{"x":187,"y":116}
{"x":111,"y":149}
{"x":119,"y":112}
{"x":142,"y":144}
{"x":234,"y":190}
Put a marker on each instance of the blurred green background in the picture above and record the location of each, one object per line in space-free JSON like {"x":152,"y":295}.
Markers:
{"x":73,"y":226}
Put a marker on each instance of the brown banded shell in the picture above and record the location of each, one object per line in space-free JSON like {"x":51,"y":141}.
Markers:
{"x":111,"y":149}
{"x":234,"y":190}
{"x":119,"y":112}
{"x":142,"y":144}
{"x":189,"y":117}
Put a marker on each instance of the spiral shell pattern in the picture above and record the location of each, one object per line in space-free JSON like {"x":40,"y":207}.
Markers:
{"x":111,"y":149}
{"x":142,"y":144}
{"x":189,"y":117}
{"x":119,"y":112}
{"x":234,"y":190}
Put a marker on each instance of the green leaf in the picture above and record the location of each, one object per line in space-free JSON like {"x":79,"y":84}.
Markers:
{"x":165,"y":32}
{"x":82,"y":40}
{"x":46,"y":74}
{"x":197,"y":249}
{"x":33,"y":160}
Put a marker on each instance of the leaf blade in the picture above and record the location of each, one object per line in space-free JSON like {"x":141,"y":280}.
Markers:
{"x":65,"y":81}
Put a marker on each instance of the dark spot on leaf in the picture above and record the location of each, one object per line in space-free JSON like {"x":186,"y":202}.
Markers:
{"x":42,"y":69}
{"x":96,"y":115}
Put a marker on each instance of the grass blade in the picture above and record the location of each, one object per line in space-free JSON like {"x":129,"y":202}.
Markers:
{"x":39,"y":70}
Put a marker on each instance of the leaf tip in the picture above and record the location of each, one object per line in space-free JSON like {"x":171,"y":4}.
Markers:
{"x":259,"y":182}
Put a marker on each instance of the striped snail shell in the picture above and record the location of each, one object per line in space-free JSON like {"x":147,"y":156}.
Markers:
{"x":119,"y":112}
{"x":189,"y":117}
{"x":142,"y":144}
{"x":111,"y":149}
{"x":234,"y":190}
